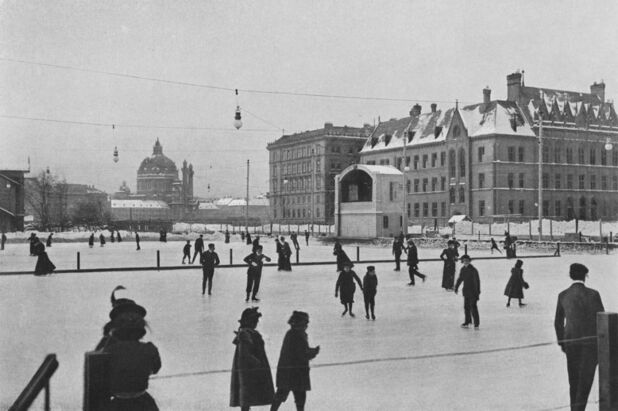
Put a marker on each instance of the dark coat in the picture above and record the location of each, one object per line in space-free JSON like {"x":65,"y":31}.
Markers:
{"x":259,"y":260}
{"x":91,"y":239}
{"x":102,"y":239}
{"x":397,"y":247}
{"x":370,"y":285}
{"x":412,"y":255}
{"x":199,"y":244}
{"x":43,"y":263}
{"x":449,"y":256}
{"x":131,"y":363}
{"x":293,"y":367}
{"x":345,"y":286}
{"x":342,"y":257}
{"x":187,"y":249}
{"x":252,"y":382}
{"x":515,"y":287}
{"x":576,"y":313}
{"x":209,"y":259}
{"x":471,"y":282}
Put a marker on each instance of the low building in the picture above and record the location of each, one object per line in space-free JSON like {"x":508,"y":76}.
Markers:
{"x":12,"y":198}
{"x":368,"y":201}
{"x":141,"y":214}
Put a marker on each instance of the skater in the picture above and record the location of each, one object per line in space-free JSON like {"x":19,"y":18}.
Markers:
{"x":370,"y":288}
{"x":2,"y":241}
{"x":576,"y":318}
{"x":43,"y":264}
{"x":242,"y":235}
{"x":252,"y":382}
{"x":413,"y":263}
{"x":457,"y":245}
{"x":32,"y":240}
{"x":307,"y":238}
{"x":508,"y":245}
{"x":137,"y":241}
{"x":198,"y":248}
{"x":346,"y":287}
{"x":227,"y":237}
{"x":48,"y":243}
{"x":112,"y":238}
{"x":293,"y":366}
{"x":494,"y":246}
{"x":255,"y":243}
{"x":449,"y":256}
{"x":255,"y":261}
{"x":118,"y":236}
{"x":280,"y":258}
{"x":209,"y":261}
{"x":186,"y":252}
{"x":286,"y":253}
{"x":294,"y":238}
{"x":248,"y":238}
{"x":471,"y":291}
{"x":342,"y":257}
{"x":397,"y":250}
{"x":131,"y":362}
{"x":102,"y":239}
{"x":91,"y":240}
{"x":515,"y":286}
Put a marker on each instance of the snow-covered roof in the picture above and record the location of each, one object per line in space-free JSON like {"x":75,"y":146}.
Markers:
{"x":457,"y":218}
{"x":139,"y":204}
{"x":496,"y":117}
{"x":372,"y":169}
{"x":207,"y":206}
{"x":223,"y":201}
{"x":13,"y":163}
{"x":252,"y":202}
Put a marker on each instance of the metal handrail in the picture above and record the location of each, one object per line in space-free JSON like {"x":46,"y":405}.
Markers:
{"x":38,"y":382}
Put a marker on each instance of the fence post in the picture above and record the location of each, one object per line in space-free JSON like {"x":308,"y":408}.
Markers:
{"x":231,"y":256}
{"x":551,"y":230}
{"x":610,"y":236}
{"x":530,"y":228}
{"x":479,"y":233}
{"x":158,"y":260}
{"x":78,"y":264}
{"x":557,"y":253}
{"x":607,"y":341}
{"x":600,"y":230}
{"x":606,"y":246}
{"x":357,"y":254}
{"x":465,"y":248}
{"x":297,"y":256}
{"x":490,"y":224}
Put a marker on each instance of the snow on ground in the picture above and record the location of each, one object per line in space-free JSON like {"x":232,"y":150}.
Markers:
{"x":64,"y":313}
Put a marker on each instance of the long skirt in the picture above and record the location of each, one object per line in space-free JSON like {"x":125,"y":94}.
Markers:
{"x":43,"y":265}
{"x":448,"y":275}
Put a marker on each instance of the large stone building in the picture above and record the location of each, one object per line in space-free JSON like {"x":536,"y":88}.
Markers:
{"x":12,"y":198}
{"x":482,"y":160}
{"x":303,"y":168}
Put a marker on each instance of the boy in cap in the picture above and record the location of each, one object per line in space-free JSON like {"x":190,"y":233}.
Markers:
{"x":255,"y":261}
{"x":187,"y":252}
{"x":576,"y":318}
{"x":471,"y":291}
{"x":293,"y":367}
{"x":413,"y":262}
{"x":209,"y":260}
{"x":370,"y":288}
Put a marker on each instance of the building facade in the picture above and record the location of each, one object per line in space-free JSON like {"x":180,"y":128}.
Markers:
{"x":482,"y":160}
{"x":12,"y":199}
{"x":303,"y":167}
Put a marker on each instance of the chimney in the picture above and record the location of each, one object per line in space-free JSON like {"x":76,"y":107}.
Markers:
{"x":513,"y":86}
{"x":486,"y":95}
{"x":416,"y":110}
{"x":434,"y":106}
{"x":328,"y":126}
{"x":598,"y":89}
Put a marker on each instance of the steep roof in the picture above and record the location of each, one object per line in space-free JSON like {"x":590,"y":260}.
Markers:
{"x":496,"y":117}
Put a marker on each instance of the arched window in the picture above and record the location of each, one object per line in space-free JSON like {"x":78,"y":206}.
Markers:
{"x":462,"y":194}
{"x":451,"y":164}
{"x":582,"y":208}
{"x":570,"y":210}
{"x":451,"y":195}
{"x":356,"y":185}
{"x":462,"y":162}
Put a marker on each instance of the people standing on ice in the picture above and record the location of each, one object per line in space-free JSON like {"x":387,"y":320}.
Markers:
{"x":118,"y":236}
{"x":242,"y":236}
{"x":32,"y":240}
{"x":449,"y":256}
{"x":516,"y":284}
{"x":255,"y":261}
{"x":398,"y":249}
{"x":186,"y":252}
{"x":112,"y":238}
{"x":494,"y":246}
{"x":342,"y":257}
{"x":227,"y":237}
{"x":307,"y":238}
{"x":255,"y":243}
{"x":509,"y":245}
{"x":209,"y":261}
{"x":131,"y":362}
{"x":293,"y":366}
{"x":198,"y":247}
{"x":2,"y":241}
{"x":43,"y":263}
{"x":48,"y":243}
{"x":252,"y":381}
{"x":294,"y":238}
{"x":248,"y":238}
{"x":345,"y":288}
{"x":576,"y":319}
{"x":413,"y":263}
{"x":370,"y":288}
{"x":279,"y":251}
{"x":469,"y":276}
{"x":102,"y":239}
{"x":91,"y":240}
{"x":456,"y":243}
{"x":286,"y":252}
{"x":137,"y":241}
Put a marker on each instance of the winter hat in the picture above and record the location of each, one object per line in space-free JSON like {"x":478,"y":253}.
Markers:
{"x":124,"y":305}
{"x":348,"y":264}
{"x":249,"y":314}
{"x":371,"y":268}
{"x":465,"y":257}
{"x":519,"y":263}
{"x":298,"y":317}
{"x":578,"y":271}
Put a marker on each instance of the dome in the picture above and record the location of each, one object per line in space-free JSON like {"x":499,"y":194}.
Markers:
{"x":157,"y":163}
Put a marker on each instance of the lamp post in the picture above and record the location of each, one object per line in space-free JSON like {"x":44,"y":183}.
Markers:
{"x":405,"y":169}
{"x":540,"y":199}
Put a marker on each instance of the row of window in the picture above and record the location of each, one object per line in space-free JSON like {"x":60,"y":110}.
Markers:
{"x":286,"y":200}
{"x":593,"y":155}
{"x":296,"y":184}
{"x":308,"y":151}
{"x":594,"y":182}
{"x":295,"y":168}
{"x":298,"y":213}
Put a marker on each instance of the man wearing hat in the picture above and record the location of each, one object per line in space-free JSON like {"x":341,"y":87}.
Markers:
{"x":576,"y":318}
{"x":198,"y":248}
{"x":293,"y":367}
{"x":413,"y":262}
{"x":209,"y":260}
{"x":252,"y":382}
{"x":471,"y":291}
{"x":370,"y":289}
{"x":397,"y":251}
{"x":255,"y":261}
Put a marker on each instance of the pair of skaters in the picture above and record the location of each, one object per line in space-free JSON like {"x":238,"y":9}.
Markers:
{"x":345,"y":289}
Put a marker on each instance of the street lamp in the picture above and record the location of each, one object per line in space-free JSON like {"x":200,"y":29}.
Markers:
{"x":608,"y":144}
{"x":237,"y":116}
{"x":405,"y":168}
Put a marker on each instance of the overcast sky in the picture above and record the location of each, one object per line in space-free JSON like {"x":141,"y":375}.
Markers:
{"x":417,"y":50}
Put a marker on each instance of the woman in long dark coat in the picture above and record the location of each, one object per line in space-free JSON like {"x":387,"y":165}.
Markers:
{"x":449,"y":256}
{"x":252,"y":382}
{"x":293,"y":367}
{"x":515,"y":286}
{"x":43,"y":264}
{"x":345,"y":287}
{"x":342,"y":257}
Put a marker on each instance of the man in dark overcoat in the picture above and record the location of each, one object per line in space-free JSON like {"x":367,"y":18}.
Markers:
{"x":286,"y":252}
{"x":91,"y":240}
{"x":227,"y":237}
{"x":198,"y":247}
{"x":137,"y":241}
{"x":294,"y":238}
{"x":255,"y":261}
{"x":576,"y":319}
{"x":469,"y":276}
{"x":280,"y":258}
{"x":293,"y":367}
{"x":209,"y":261}
{"x":413,"y":262}
{"x":397,"y":250}
{"x":307,"y":238}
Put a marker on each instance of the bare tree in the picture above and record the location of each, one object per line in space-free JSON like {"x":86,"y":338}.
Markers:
{"x":47,"y":195}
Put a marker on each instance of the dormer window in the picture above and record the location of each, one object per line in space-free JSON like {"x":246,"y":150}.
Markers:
{"x":410,"y":135}
{"x":456,"y":131}
{"x":387,"y":139}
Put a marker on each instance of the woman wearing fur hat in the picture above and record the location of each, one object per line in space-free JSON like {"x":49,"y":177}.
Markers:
{"x":252,"y":382}
{"x":515,"y":286}
{"x":346,"y":287}
{"x":370,"y":289}
{"x":293,"y":367}
{"x":43,"y":263}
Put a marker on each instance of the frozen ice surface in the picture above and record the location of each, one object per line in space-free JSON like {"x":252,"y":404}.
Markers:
{"x":64,"y":313}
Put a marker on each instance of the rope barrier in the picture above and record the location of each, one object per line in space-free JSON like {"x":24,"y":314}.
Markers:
{"x":389,"y":359}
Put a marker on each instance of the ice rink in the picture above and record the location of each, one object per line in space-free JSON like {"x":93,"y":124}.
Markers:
{"x":64,"y":314}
